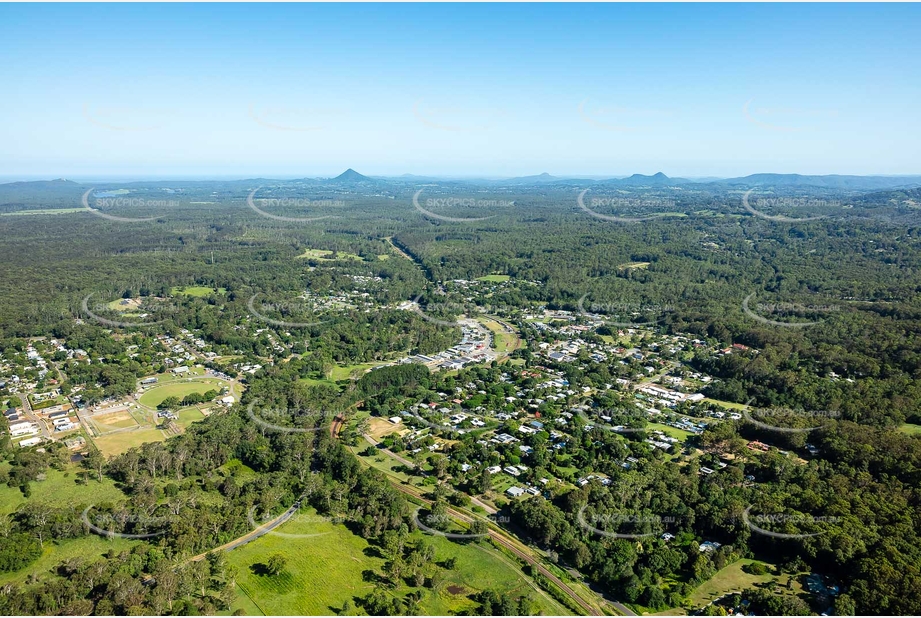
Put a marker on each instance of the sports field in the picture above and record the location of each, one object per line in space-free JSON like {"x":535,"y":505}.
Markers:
{"x":111,"y":421}
{"x":117,"y":443}
{"x":503,"y":342}
{"x":494,"y":278}
{"x":153,"y":397}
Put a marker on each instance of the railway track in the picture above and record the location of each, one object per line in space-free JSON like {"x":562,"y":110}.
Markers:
{"x":517,"y":548}
{"x":513,"y":547}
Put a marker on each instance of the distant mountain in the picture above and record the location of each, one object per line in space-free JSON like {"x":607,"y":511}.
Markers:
{"x":545,"y":177}
{"x":58,"y":183}
{"x":832,"y":181}
{"x":641,"y":180}
{"x":39,"y":194}
{"x":351,"y":176}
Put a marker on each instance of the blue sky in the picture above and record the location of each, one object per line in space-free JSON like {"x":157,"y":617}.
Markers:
{"x":106,"y":91}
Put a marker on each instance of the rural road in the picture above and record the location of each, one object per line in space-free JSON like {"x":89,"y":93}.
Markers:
{"x":254,"y":534}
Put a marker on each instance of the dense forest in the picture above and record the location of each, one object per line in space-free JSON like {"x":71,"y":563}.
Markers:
{"x":852,"y":275}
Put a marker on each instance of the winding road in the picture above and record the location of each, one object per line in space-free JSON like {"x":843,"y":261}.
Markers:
{"x":254,"y":534}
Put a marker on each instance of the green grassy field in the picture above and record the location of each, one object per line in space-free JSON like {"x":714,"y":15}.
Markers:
{"x":730,"y":579}
{"x":180,"y":389}
{"x":88,"y":547}
{"x":118,"y":420}
{"x":342,"y":372}
{"x":502,"y":341}
{"x":912,"y":430}
{"x":117,"y":443}
{"x":385,"y":463}
{"x":187,"y":416}
{"x":494,"y":278}
{"x":325,"y":255}
{"x":324,"y":571}
{"x":60,"y":488}
{"x":196,"y":290}
{"x":726,"y":404}
{"x":674,"y":432}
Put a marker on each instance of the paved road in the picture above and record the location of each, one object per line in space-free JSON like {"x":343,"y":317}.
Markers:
{"x":253,"y":535}
{"x":31,"y":416}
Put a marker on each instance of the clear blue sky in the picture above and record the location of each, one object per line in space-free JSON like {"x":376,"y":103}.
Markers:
{"x":170,"y":90}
